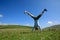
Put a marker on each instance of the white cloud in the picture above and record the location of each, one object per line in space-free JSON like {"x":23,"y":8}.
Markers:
{"x":27,"y":25}
{"x":53,"y":23}
{"x":7,"y":24}
{"x":1,"y":15}
{"x":50,"y":22}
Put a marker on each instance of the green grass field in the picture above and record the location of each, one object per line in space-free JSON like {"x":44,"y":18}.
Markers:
{"x":14,"y":32}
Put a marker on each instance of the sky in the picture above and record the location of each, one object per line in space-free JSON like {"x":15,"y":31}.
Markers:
{"x":12,"y":12}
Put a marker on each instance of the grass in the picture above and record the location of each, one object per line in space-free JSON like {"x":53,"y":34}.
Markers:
{"x":22,"y":33}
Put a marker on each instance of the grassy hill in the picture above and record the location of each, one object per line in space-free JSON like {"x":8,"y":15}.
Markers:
{"x":52,"y":28}
{"x":17,"y":32}
{"x":13,"y":26}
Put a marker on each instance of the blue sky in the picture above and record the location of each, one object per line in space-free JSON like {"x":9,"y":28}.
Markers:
{"x":12,"y":12}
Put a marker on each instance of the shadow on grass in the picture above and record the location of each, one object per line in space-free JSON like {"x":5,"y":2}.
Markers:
{"x":25,"y":32}
{"x":30,"y":32}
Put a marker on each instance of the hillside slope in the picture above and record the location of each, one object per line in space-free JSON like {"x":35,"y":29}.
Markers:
{"x":52,"y":28}
{"x":13,"y":26}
